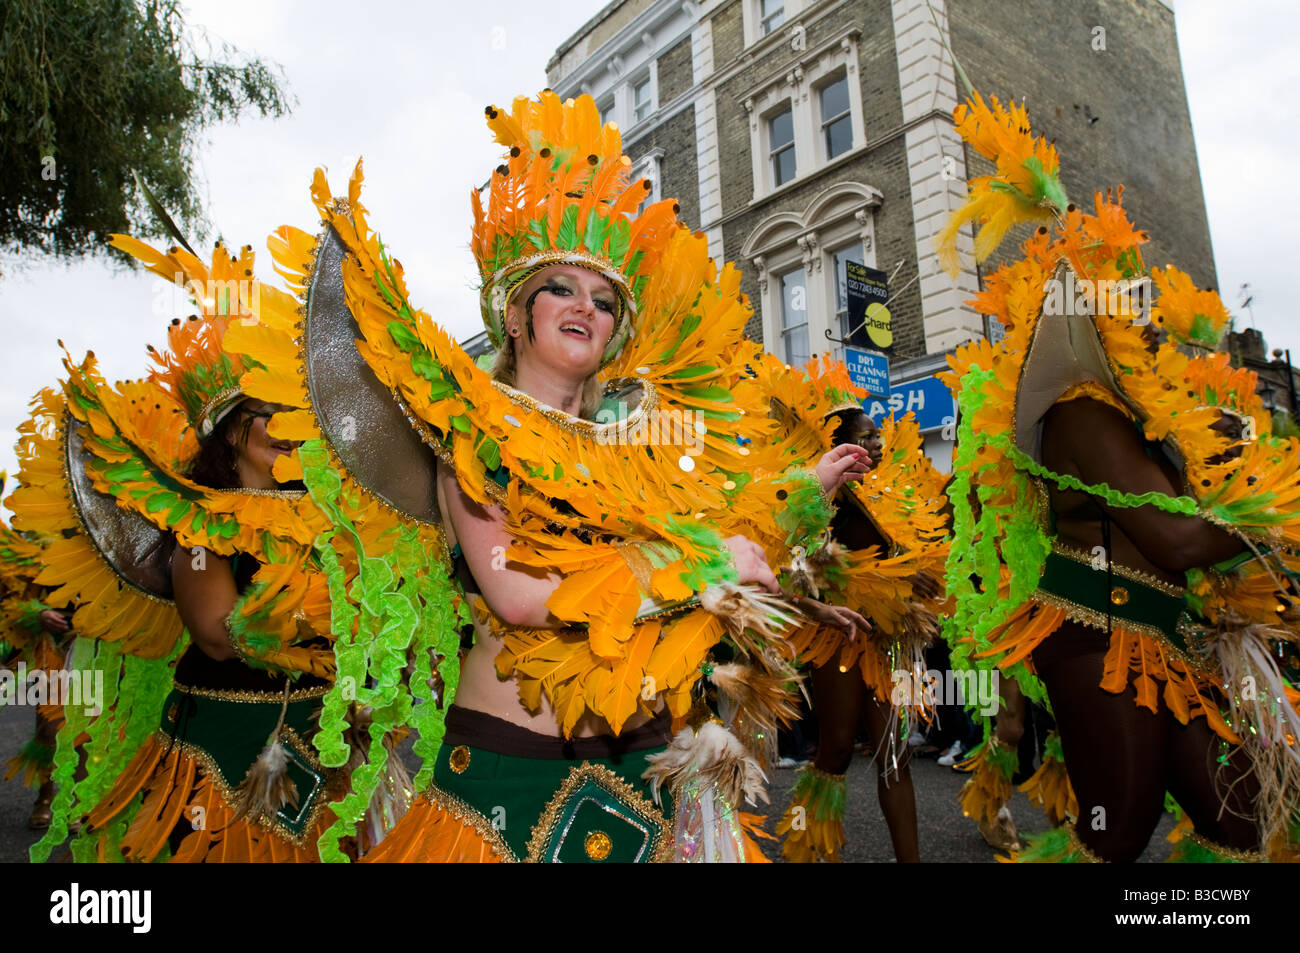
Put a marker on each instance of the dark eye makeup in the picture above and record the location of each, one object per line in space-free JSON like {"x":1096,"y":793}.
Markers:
{"x":604,"y":304}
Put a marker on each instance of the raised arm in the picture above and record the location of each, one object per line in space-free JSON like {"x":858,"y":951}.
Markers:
{"x":1099,"y":445}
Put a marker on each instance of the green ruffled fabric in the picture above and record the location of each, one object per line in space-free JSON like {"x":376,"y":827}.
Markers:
{"x":401,"y":607}
{"x":980,"y":547}
{"x":134,"y":691}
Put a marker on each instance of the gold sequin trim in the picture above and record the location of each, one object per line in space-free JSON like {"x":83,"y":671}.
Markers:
{"x":1081,"y":849}
{"x":205,"y":426}
{"x":588,"y":428}
{"x":270,"y":824}
{"x":301,"y":746}
{"x":1097,"y":620}
{"x":276,"y":698}
{"x":1124,"y":572}
{"x":1232,"y":853}
{"x":277,"y":494}
{"x":652,"y":608}
{"x":471,"y":818}
{"x":638,"y":562}
{"x":661,"y":841}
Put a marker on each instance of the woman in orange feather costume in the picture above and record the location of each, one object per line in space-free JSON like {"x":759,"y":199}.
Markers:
{"x":594,"y":494}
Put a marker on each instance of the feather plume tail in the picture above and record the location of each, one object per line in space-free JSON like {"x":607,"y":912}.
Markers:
{"x":266,"y":788}
{"x":756,"y":623}
{"x":712,"y":755}
{"x":1263,"y":716}
{"x":709,"y":772}
{"x":754,"y":704}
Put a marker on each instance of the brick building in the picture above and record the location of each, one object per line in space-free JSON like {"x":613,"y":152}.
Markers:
{"x":802,"y":134}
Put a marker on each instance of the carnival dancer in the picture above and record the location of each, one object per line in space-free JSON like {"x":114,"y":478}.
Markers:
{"x":592,"y":490}
{"x":35,"y":635}
{"x":1129,"y":481}
{"x":883,"y":556}
{"x":213,"y":758}
{"x":97,"y":567}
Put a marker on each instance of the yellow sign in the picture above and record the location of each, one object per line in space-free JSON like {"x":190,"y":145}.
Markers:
{"x":880,"y":326}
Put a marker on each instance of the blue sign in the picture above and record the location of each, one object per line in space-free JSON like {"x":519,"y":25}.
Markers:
{"x":868,"y":370}
{"x":928,"y":398}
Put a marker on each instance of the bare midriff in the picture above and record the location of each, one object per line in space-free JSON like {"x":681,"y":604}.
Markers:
{"x":482,"y":689}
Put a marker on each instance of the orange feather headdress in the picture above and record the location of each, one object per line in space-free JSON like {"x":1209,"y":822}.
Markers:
{"x":562,"y":197}
{"x":195,"y":369}
{"x":832,"y":378}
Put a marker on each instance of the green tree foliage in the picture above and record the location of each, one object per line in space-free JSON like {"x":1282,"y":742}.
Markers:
{"x":93,"y":90}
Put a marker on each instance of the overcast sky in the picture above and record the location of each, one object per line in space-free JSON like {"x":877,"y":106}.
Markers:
{"x":404,"y":85}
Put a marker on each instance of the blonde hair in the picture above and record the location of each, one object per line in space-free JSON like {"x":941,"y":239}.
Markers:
{"x":505,"y":369}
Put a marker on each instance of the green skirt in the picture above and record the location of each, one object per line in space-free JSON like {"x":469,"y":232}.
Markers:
{"x":545,"y":799}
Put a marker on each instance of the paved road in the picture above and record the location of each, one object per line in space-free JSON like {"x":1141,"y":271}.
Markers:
{"x":944,"y":834}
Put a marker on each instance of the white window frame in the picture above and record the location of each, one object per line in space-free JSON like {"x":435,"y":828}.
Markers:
{"x":647,"y":80}
{"x":823,"y":141}
{"x":649,"y":166}
{"x":793,"y":144}
{"x":752,"y":18}
{"x":841,"y":216}
{"x":779,"y":302}
{"x":607,"y":106}
{"x":801,"y":85}
{"x":764,"y":27}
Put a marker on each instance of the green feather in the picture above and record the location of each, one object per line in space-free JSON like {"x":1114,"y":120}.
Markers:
{"x":620,"y":239}
{"x":536,"y":234}
{"x":594,"y":235}
{"x":567,"y":237}
{"x":827,"y":796}
{"x":695,"y":370}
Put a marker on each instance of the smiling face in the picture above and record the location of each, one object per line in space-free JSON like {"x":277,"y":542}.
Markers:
{"x":561,"y":319}
{"x":255,"y":450}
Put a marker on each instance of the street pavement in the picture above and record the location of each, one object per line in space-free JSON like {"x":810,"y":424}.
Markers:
{"x":944,"y":834}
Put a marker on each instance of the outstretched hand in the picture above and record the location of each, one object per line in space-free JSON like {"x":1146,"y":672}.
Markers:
{"x":838,"y":616}
{"x":846,"y":462}
{"x":54,"y":622}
